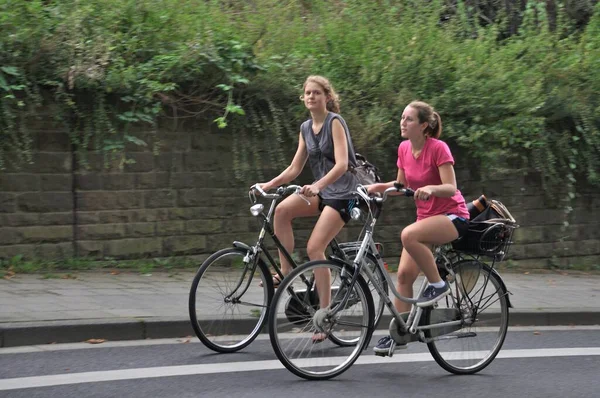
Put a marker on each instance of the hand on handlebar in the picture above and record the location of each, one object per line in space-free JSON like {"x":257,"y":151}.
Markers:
{"x":309,"y":190}
{"x":423,"y":193}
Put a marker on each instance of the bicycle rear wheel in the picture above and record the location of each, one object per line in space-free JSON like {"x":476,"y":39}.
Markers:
{"x":479,"y":300}
{"x":229,"y":300}
{"x":295,"y":317}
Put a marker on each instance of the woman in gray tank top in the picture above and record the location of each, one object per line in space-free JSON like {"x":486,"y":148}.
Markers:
{"x":325,"y":142}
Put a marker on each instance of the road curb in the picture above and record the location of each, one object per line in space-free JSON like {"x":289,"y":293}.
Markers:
{"x":53,"y":332}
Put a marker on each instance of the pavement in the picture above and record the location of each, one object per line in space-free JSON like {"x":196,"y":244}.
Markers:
{"x":131,"y":306}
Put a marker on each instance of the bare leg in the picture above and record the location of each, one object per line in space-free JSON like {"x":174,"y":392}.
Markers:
{"x":417,"y":239}
{"x":330,"y":223}
{"x":408,"y":271}
{"x":290,"y":208}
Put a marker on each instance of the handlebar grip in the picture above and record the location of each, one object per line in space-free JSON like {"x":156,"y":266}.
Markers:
{"x":409,"y":192}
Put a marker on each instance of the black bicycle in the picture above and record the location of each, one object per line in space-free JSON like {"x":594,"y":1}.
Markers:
{"x":233,"y":288}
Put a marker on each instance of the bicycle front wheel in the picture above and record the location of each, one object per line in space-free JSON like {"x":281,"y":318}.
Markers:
{"x":479,"y":302}
{"x":295,"y":321}
{"x":229,"y":300}
{"x":378,"y":303}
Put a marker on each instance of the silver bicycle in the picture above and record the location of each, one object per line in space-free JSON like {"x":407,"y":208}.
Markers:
{"x":464,"y":331}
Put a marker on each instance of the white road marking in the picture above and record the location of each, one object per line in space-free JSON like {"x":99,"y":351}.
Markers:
{"x":232,"y":367}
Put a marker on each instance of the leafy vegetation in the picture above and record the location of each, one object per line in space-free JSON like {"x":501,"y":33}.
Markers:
{"x":516,"y":86}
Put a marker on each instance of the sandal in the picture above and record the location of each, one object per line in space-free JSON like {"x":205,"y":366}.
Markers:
{"x":319,"y":337}
{"x":276,"y":281}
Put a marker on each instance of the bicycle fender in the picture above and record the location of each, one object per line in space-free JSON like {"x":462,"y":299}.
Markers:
{"x":340,"y":261}
{"x":503,"y":287}
{"x":241,"y":245}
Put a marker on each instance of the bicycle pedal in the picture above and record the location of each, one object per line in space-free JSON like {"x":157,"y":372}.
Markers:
{"x":381,"y":354}
{"x":392,"y":348}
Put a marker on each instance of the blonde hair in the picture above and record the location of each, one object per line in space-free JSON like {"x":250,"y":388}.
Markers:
{"x":333,"y":102}
{"x":426,"y":113}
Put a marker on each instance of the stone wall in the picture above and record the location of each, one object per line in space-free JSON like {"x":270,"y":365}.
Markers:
{"x":185,"y":200}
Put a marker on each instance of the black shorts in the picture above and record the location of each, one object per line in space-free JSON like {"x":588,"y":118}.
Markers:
{"x":461,"y":224}
{"x":343,"y":206}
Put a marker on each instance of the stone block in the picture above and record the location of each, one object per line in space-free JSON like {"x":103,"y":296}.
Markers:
{"x":171,"y":162}
{"x":27,"y":251}
{"x":153,"y":180}
{"x":8,"y":202}
{"x":46,"y":234}
{"x":88,"y":182}
{"x":88,"y":217}
{"x":188,"y":244}
{"x":56,"y":218}
{"x":10,"y":235}
{"x":19,"y":219}
{"x":174,"y":142}
{"x":51,"y":162}
{"x":114,"y":217}
{"x":88,"y":201}
{"x":19,"y":182}
{"x":45,"y":202}
{"x":56,"y":182}
{"x":90,"y":248}
{"x":141,"y":162}
{"x":167,"y":228}
{"x":525,"y":235}
{"x":206,"y":226}
{"x":118,"y":181}
{"x":55,"y":251}
{"x":136,"y":230}
{"x":133,"y":248}
{"x":163,"y":198}
{"x":101,"y":231}
{"x":53,"y":141}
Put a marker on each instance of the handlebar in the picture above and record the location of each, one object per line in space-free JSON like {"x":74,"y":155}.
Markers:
{"x":362,"y":191}
{"x":281,"y":191}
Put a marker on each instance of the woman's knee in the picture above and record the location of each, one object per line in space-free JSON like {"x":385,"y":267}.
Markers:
{"x":315,"y":250}
{"x":408,"y":236}
{"x":284,"y":213}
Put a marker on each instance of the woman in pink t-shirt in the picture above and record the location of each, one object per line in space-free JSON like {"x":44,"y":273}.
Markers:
{"x":425,"y":165}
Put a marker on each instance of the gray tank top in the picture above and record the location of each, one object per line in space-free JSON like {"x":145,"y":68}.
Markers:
{"x":322,"y":158}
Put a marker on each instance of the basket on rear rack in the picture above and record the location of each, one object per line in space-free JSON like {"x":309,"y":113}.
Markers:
{"x":490,"y":233}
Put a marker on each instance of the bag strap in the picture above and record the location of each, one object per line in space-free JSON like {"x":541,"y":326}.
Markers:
{"x":316,"y":143}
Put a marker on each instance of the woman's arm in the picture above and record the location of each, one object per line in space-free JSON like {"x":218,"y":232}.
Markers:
{"x":446,"y":189}
{"x":382,"y":186}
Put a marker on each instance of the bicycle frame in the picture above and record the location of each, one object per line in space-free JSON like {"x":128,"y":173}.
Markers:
{"x":411,"y":325}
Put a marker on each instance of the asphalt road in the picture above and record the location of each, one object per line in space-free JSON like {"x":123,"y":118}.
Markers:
{"x":534,"y":362}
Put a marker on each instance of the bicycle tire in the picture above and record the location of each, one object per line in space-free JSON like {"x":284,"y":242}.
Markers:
{"x":292,"y":337}
{"x":236,"y":328}
{"x":459,"y":351}
{"x":378,"y":302}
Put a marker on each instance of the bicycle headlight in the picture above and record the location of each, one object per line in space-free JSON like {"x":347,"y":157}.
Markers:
{"x":256,"y":209}
{"x":355,"y":213}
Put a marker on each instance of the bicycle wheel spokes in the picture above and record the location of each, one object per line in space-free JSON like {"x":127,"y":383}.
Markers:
{"x":228,"y":305}
{"x":471,"y":346}
{"x":295,"y":323}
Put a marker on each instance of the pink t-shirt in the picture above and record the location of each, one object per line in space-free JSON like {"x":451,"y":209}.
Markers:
{"x":424,"y":171}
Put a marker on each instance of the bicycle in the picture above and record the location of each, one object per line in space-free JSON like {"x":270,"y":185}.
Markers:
{"x":464,"y":331}
{"x":233,"y":288}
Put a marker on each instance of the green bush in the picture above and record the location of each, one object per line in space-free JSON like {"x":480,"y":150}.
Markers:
{"x":518,"y":88}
